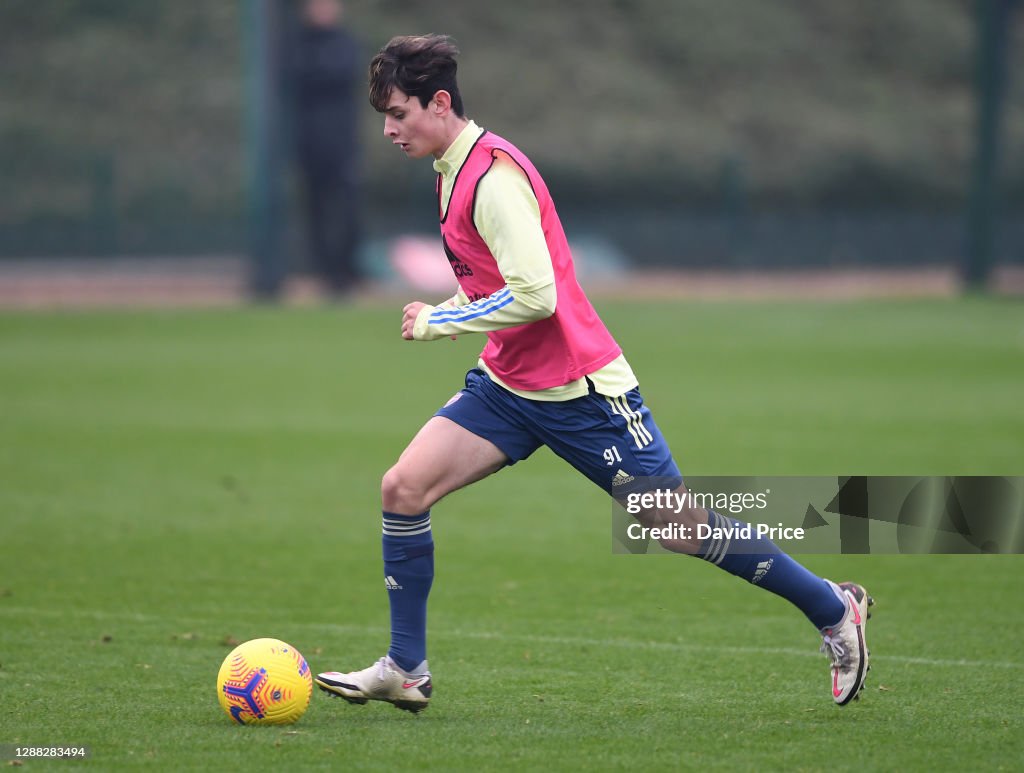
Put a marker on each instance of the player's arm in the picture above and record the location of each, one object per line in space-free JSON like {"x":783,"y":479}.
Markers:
{"x":411,"y":311}
{"x":507,"y":216}
{"x":459,"y":299}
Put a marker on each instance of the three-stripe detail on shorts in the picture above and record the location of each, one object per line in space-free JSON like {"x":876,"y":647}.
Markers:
{"x":634,"y":421}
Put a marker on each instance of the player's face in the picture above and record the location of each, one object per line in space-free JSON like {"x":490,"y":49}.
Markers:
{"x":417,"y":130}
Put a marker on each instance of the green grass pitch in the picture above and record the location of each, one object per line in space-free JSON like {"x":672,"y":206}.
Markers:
{"x":171,"y":479}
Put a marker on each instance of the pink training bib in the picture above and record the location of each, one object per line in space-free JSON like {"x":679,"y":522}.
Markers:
{"x":566,"y":346}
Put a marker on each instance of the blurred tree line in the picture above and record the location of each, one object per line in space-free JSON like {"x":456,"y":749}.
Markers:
{"x":131,"y":113}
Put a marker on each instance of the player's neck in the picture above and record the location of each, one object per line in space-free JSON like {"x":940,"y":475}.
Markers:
{"x":453,"y":130}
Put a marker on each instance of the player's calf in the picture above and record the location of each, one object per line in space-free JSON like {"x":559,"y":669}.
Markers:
{"x":677,"y":530}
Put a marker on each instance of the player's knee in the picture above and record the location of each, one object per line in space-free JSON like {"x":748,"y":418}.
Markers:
{"x":689,"y":517}
{"x":399,"y":492}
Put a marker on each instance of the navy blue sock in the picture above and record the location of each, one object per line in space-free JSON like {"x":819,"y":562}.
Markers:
{"x":759,"y":561}
{"x":408,"y":575}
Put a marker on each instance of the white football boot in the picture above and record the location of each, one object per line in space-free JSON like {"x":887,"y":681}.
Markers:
{"x":383,"y":681}
{"x":846,"y":647}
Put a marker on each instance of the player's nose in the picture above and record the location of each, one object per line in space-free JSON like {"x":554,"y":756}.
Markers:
{"x":390,"y":130}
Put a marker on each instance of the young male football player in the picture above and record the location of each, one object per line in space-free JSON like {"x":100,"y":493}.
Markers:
{"x":550,"y":374}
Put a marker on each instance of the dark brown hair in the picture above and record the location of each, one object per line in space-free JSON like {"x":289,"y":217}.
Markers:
{"x":417,"y":65}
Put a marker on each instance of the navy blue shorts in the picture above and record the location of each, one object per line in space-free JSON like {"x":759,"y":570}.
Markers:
{"x":612,"y":440}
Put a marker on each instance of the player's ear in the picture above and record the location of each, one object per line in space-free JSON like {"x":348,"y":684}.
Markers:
{"x":442,"y":102}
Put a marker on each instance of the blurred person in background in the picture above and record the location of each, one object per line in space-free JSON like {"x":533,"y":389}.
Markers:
{"x":325,"y":79}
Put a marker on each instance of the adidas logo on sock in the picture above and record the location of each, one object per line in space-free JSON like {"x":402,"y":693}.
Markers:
{"x":621,"y":478}
{"x":391,"y":583}
{"x":762,"y":570}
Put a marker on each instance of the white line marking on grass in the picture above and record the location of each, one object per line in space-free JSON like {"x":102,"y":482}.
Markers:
{"x":561,"y":641}
{"x":572,"y":641}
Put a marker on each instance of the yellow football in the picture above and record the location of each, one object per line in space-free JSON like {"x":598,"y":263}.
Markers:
{"x":264,"y":682}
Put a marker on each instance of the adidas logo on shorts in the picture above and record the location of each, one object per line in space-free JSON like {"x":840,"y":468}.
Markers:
{"x":621,"y":478}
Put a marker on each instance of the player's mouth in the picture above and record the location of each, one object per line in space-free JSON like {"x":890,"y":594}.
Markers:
{"x":403,"y":145}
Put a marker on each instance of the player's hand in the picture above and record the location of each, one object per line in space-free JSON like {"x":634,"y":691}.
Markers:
{"x":409,"y":314}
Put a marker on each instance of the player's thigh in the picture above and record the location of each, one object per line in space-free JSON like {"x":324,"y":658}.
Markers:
{"x":442,"y":458}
